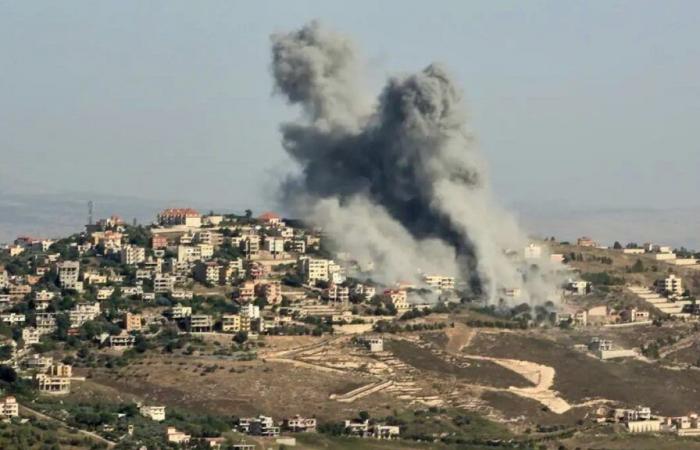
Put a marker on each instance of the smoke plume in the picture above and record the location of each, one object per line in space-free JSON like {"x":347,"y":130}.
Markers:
{"x":396,"y":180}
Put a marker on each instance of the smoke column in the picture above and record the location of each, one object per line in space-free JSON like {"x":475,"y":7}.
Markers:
{"x":397,"y":179}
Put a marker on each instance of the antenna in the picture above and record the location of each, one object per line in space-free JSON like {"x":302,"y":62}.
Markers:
{"x":90,"y":205}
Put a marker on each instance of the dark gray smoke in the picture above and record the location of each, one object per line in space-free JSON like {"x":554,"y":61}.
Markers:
{"x":397,"y":181}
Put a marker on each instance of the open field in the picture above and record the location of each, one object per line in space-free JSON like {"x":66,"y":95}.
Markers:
{"x":235,"y":388}
{"x":476,"y":372}
{"x":613,"y":438}
{"x":580,"y":377}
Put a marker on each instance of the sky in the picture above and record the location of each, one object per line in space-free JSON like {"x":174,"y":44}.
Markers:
{"x":577,"y":106}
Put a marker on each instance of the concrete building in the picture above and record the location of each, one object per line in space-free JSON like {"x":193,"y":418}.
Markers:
{"x":180,"y":216}
{"x":122,"y":340}
{"x":439,"y":282}
{"x":56,"y":380}
{"x":259,"y":426}
{"x":9,"y":407}
{"x":207,"y":272}
{"x":373,"y":343}
{"x":156,"y":413}
{"x":132,"y":322}
{"x":314,"y":269}
{"x":231,"y":323}
{"x":189,"y":253}
{"x":672,"y":285}
{"x":132,"y":255}
{"x":178,"y":312}
{"x":380,"y":431}
{"x":68,"y":274}
{"x":271,"y":291}
{"x":83,"y":312}
{"x":399,"y":299}
{"x":163,"y":283}
{"x":201,"y":323}
{"x":274,"y":245}
{"x":177,"y":437}
{"x":12,"y":319}
{"x":300,"y":424}
{"x":31,"y":335}
{"x":246,"y":291}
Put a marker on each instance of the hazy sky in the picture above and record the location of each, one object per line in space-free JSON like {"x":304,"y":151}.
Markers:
{"x":592,"y":103}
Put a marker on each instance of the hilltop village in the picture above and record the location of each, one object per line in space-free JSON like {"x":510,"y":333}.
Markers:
{"x":236,"y":331}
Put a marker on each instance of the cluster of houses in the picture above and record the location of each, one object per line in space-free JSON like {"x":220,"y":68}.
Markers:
{"x":604,"y":315}
{"x":660,"y":253}
{"x":641,"y":420}
{"x":245,"y":260}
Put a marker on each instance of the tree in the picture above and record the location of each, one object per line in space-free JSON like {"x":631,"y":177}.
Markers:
{"x":363,"y":415}
{"x":617,"y":245}
{"x":248,"y":214}
{"x":638,"y":266}
{"x":241,"y":337}
{"x":8,"y":374}
{"x":5,"y":352}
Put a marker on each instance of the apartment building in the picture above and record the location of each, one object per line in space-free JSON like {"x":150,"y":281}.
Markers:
{"x":56,"y":380}
{"x":31,"y":335}
{"x":274,"y":245}
{"x":209,"y":237}
{"x":313,"y":269}
{"x":338,"y":293}
{"x":439,"y":282}
{"x":163,"y":283}
{"x":671,"y":284}
{"x":297,"y":246}
{"x":46,"y":322}
{"x":201,"y":323}
{"x":250,"y":246}
{"x":180,"y":216}
{"x":180,"y":312}
{"x":83,"y":312}
{"x":231,"y":323}
{"x":132,"y":322}
{"x":207,"y":272}
{"x":9,"y":407}
{"x":19,"y":291}
{"x":68,"y":273}
{"x":132,"y":255}
{"x":122,"y":340}
{"x":246,"y":291}
{"x":271,"y":291}
{"x":189,"y":253}
{"x":230,"y":271}
{"x":398,"y":299}
{"x":250,"y":310}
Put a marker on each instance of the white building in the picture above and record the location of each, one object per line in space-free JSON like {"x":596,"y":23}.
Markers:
{"x":314,"y":269}
{"x":132,"y":255}
{"x":9,"y":407}
{"x":156,"y":413}
{"x":671,"y":284}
